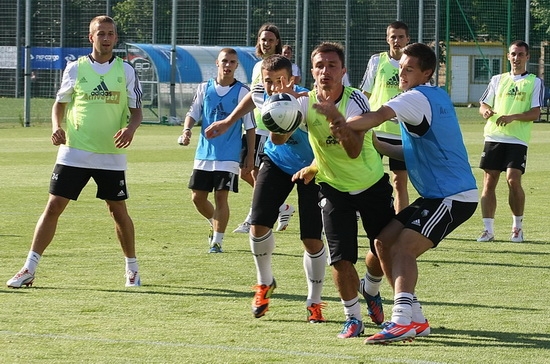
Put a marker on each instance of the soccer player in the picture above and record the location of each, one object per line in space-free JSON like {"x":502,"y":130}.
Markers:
{"x":268,"y":43}
{"x":296,"y":72}
{"x":510,"y":104}
{"x":96,"y":95}
{"x":439,"y":170}
{"x":381,"y":83}
{"x":351,"y":178}
{"x":285,"y":154}
{"x":216,"y":166}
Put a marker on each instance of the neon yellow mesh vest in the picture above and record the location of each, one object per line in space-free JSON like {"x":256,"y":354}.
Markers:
{"x":257,"y":78}
{"x":386,"y":86}
{"x":335,"y":167}
{"x":512,"y":98}
{"x":99,"y":108}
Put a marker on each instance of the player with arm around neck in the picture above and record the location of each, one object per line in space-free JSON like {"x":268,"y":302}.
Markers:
{"x":438,"y":167}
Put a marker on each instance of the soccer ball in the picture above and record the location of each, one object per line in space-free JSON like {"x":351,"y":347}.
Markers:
{"x":281,"y":113}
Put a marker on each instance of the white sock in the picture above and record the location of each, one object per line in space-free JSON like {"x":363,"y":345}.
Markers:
{"x":32,"y":261}
{"x":402,"y":308}
{"x":489,"y":224}
{"x":352,"y":308}
{"x":372,"y":284}
{"x":417,"y":314}
{"x":262,"y":249}
{"x":217,"y":238}
{"x":518,"y":222}
{"x":248,"y":217}
{"x":315,"y":267}
{"x":131,"y":264}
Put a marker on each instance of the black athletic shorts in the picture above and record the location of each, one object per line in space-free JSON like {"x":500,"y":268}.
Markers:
{"x":339,"y":210}
{"x":436,"y":218}
{"x":258,"y":149}
{"x":69,"y":182}
{"x":272,"y":188}
{"x":394,"y":164}
{"x":213,"y":181}
{"x":501,"y":156}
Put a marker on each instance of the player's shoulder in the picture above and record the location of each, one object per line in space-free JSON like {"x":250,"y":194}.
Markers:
{"x":358,"y":98}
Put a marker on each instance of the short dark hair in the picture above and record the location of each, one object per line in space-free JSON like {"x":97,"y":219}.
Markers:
{"x":330,"y":47}
{"x":269,"y":27}
{"x":520,"y":43}
{"x":228,"y":50}
{"x":277,"y":62}
{"x":399,"y":25}
{"x":424,"y":54}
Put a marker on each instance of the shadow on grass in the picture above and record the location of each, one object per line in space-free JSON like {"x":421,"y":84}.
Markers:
{"x":493,"y":339}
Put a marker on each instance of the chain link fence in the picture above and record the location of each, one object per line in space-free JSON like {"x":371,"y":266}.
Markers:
{"x":463,"y":32}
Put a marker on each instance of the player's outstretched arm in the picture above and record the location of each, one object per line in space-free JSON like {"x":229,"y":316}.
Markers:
{"x":351,"y":140}
{"x":217,"y":128}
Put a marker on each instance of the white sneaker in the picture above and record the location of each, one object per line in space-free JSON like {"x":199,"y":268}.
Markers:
{"x":243,"y":228}
{"x":132,"y":279}
{"x":486,"y":237}
{"x":516,"y":236}
{"x":284,"y":217}
{"x":23,"y":277}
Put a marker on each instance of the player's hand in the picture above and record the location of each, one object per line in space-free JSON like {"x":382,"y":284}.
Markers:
{"x":216,"y":129}
{"x":58,"y":137}
{"x":504,"y":120}
{"x":123,"y":138}
{"x":327,"y":108}
{"x":488,"y":113}
{"x":248,"y":165}
{"x":307,"y":174}
{"x":186,"y":137}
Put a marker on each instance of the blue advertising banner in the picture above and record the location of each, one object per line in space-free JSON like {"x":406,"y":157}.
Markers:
{"x":54,"y":58}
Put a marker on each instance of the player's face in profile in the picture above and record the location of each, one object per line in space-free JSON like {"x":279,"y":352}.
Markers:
{"x":274,"y":81}
{"x":268,"y":41}
{"x":327,"y":70}
{"x":410,"y":74}
{"x":103,"y":37}
{"x":227,"y":63}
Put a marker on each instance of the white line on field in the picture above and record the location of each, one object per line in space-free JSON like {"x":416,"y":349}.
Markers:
{"x":211,"y":347}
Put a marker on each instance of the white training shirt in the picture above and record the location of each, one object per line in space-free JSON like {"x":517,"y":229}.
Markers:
{"x":80,"y":158}
{"x":413,"y":108}
{"x":488,"y":98}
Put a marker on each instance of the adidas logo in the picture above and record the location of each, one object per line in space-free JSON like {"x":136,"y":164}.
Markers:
{"x":121,"y":194}
{"x":331,"y":140}
{"x":416,"y":222}
{"x":316,"y":122}
{"x":101,"y":90}
{"x":393,"y":81}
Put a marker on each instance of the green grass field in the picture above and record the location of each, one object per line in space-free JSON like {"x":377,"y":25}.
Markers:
{"x":486,"y":301}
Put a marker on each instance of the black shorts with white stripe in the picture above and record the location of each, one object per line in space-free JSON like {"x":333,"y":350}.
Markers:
{"x":436,"y":218}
